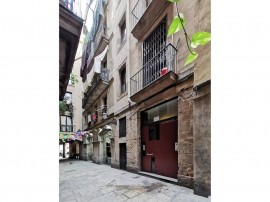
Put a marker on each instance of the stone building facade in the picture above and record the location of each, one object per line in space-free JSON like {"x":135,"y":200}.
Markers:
{"x":158,"y":110}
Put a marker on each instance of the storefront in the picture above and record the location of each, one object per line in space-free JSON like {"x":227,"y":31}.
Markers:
{"x":159,"y":153}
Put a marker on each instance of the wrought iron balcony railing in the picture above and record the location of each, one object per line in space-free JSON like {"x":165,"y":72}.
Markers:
{"x":162,"y":63}
{"x":101,"y":32}
{"x":102,"y":77}
{"x":138,"y":10}
{"x":73,"y":6}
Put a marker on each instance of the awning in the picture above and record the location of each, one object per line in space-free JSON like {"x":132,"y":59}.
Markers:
{"x":72,"y":136}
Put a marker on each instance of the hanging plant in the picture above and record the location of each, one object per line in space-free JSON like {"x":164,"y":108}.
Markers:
{"x":198,"y":38}
{"x":73,"y":78}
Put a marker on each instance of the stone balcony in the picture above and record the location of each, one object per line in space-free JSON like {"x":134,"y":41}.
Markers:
{"x":70,"y":26}
{"x":97,"y":86}
{"x":156,"y":75}
{"x":100,"y":42}
{"x":144,"y":14}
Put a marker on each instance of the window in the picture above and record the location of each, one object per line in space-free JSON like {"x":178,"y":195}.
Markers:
{"x":153,"y":55}
{"x":122,"y":127}
{"x":66,"y":124}
{"x":123,"y":80}
{"x":123,"y":32}
{"x":68,"y":98}
{"x":154,"y":131}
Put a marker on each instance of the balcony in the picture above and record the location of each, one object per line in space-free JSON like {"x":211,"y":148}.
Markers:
{"x":70,"y":26}
{"x":144,"y":14}
{"x":155,"y":76}
{"x":98,"y":84}
{"x":100,"y":42}
{"x":73,"y":6}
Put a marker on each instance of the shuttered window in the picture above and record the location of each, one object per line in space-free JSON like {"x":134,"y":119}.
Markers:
{"x":122,"y":127}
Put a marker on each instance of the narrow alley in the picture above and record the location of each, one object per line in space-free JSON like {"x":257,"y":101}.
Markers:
{"x":86,"y":181}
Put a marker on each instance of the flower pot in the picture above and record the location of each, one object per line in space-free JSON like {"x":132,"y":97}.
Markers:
{"x":164,"y":71}
{"x":67,"y":113}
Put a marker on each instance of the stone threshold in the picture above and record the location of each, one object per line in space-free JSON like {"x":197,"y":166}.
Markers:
{"x":161,"y":177}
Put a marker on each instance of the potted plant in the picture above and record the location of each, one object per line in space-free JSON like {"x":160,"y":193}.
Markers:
{"x":62,"y":107}
{"x":65,"y":109}
{"x":164,"y":71}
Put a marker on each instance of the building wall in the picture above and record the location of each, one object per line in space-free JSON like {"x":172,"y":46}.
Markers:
{"x":193,"y":170}
{"x":76,"y":91}
{"x":193,"y":105}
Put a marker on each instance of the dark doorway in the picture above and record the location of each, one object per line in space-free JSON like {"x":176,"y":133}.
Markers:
{"x":123,"y":156}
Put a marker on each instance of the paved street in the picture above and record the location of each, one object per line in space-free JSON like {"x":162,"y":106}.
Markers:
{"x":86,"y":181}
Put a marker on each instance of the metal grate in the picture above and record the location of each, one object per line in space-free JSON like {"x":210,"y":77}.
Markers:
{"x":151,"y":47}
{"x":156,"y":57}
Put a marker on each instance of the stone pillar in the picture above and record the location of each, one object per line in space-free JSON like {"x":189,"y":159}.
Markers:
{"x":202,"y":141}
{"x":185,"y":138}
{"x":101,"y":150}
{"x":90,"y":149}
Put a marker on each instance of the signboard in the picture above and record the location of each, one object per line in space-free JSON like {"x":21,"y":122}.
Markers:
{"x":156,"y":118}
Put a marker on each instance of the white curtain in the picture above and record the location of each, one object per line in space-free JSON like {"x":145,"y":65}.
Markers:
{"x":98,"y":59}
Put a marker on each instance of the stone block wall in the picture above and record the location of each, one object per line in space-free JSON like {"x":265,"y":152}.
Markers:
{"x":133,"y":142}
{"x":202,"y":141}
{"x":185,"y":138}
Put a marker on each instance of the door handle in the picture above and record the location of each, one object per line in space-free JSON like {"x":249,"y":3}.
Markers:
{"x":149,"y":154}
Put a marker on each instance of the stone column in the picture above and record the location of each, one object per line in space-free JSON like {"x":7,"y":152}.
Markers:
{"x":101,"y":149}
{"x":185,"y":138}
{"x":202,"y":141}
{"x":90,"y":149}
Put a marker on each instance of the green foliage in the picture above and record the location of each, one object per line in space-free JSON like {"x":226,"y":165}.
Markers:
{"x":62,"y":106}
{"x":176,"y":24}
{"x":73,"y":79}
{"x":200,"y":38}
{"x":191,"y":57}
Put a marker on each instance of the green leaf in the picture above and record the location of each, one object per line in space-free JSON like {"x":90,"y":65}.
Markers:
{"x":173,"y":1}
{"x":191,"y":58}
{"x":200,"y":38}
{"x":176,"y":24}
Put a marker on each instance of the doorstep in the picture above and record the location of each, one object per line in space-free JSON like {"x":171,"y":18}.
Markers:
{"x":159,"y":177}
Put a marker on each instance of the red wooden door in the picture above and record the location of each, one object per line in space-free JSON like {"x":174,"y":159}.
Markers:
{"x":148,"y":154}
{"x":165,"y":155}
{"x":159,"y":155}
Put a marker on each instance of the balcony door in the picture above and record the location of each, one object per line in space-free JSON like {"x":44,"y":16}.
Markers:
{"x":154,"y":58}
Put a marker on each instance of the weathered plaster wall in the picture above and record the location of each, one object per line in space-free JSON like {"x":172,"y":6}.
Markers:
{"x":202,"y":22}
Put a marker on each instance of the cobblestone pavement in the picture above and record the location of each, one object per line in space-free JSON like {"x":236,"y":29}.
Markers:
{"x":86,"y":181}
